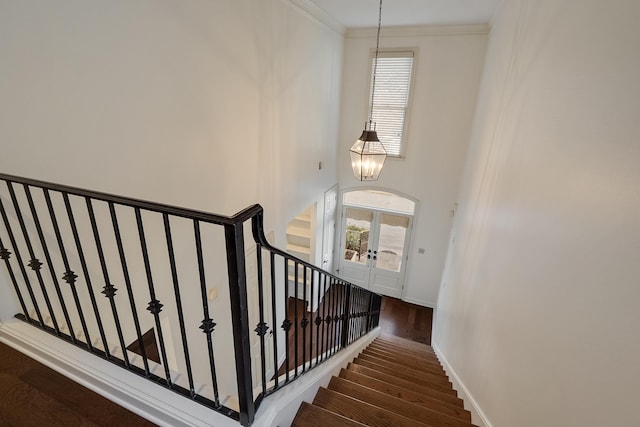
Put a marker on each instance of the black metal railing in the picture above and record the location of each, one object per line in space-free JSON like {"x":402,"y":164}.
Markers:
{"x":276,"y":317}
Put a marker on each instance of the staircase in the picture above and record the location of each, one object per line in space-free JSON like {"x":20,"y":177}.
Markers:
{"x":393,"y":382}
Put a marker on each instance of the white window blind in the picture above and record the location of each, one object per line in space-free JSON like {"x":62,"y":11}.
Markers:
{"x":391,"y":98}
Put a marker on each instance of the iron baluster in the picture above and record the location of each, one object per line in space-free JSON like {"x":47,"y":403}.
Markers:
{"x":85,"y":270}
{"x":69,"y":276}
{"x":261,"y":328}
{"x":274,"y":317}
{"x":5,"y":255}
{"x":318,"y":320}
{"x":43,"y":243}
{"x":176,"y":290}
{"x":286,"y":323}
{"x":34,"y":263}
{"x":304,"y":322}
{"x":295,"y":319}
{"x":127,"y":282}
{"x":310,"y":311}
{"x":109,"y":291}
{"x":155,"y":306}
{"x":208,"y":324}
{"x":21,"y":265}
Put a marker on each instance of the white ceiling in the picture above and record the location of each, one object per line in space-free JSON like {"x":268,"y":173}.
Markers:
{"x":364,"y":13}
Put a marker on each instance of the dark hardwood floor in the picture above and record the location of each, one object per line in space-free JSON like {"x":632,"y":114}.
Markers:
{"x":406,"y":320}
{"x":32,"y":394}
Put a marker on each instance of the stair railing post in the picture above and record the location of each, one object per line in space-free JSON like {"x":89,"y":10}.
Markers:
{"x":377,"y":307}
{"x":234,"y":237}
{"x":346,"y":323}
{"x":370,"y":312}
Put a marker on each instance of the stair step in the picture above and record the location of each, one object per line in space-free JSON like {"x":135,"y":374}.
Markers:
{"x":420,"y":354}
{"x":423,"y":357}
{"x":407,"y":361}
{"x":425,"y":352}
{"x":410,"y":396}
{"x":394,"y":404}
{"x":415,"y":371}
{"x":314,"y":416}
{"x":360,"y":411}
{"x":393,"y":379}
{"x":404,"y":342}
{"x":399,"y":352}
{"x":407,"y":376}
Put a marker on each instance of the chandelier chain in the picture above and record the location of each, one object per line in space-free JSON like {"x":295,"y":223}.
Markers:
{"x":375,"y":65}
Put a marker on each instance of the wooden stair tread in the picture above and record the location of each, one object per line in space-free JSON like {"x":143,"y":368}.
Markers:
{"x":415,"y":371}
{"x":417,"y":380}
{"x":393,"y":382}
{"x":422,"y":357}
{"x":399,"y":348}
{"x":392,"y":379}
{"x":403,"y":342}
{"x":406,"y":344}
{"x":411,"y":396}
{"x":314,"y":416}
{"x":407,"y":361}
{"x":360,"y":411}
{"x":394,"y":404}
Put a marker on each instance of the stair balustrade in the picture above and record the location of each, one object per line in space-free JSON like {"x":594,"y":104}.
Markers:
{"x":101,"y":271}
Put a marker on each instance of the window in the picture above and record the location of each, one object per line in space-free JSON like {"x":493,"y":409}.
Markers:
{"x":391,"y":98}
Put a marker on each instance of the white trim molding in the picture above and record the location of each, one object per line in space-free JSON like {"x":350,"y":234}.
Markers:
{"x":424,"y":303}
{"x":478,"y":417}
{"x":420,"y":31}
{"x":308,"y":8}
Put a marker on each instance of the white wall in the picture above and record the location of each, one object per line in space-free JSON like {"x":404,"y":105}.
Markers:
{"x":210,"y":105}
{"x":538,"y":315}
{"x":9,"y":305}
{"x":447,"y":70}
{"x":301,"y":65}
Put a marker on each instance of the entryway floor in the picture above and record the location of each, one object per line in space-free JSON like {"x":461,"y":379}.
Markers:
{"x":406,"y":320}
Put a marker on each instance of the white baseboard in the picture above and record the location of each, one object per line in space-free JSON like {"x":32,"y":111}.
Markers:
{"x":424,"y":303}
{"x":151,"y":401}
{"x":478,"y":417}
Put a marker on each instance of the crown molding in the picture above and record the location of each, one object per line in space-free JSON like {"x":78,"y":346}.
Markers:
{"x":420,"y":31}
{"x":306,"y":7}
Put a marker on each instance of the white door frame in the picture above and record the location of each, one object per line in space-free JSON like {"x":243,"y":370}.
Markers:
{"x":328,"y":248}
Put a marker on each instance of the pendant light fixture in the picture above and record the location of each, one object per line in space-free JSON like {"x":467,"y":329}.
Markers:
{"x":368,"y":153}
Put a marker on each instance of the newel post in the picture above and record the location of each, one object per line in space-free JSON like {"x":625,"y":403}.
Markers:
{"x":234,"y":237}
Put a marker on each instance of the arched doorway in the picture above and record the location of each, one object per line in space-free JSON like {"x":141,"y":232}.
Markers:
{"x":374,"y":241}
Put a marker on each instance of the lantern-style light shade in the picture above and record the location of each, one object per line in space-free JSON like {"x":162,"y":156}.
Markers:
{"x":367,"y":156}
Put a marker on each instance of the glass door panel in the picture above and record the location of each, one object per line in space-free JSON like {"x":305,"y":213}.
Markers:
{"x":391,"y":242}
{"x":356,"y":238}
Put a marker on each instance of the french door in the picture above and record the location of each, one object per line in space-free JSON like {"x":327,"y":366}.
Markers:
{"x":374,"y":246}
